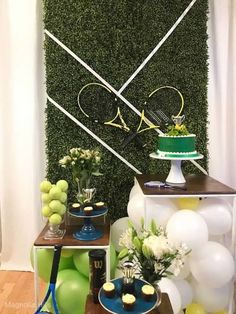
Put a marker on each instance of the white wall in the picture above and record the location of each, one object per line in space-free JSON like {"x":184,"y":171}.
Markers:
{"x":22,"y":149}
{"x":221,"y":92}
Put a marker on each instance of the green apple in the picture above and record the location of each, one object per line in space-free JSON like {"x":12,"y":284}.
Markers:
{"x":46,"y":198}
{"x":55,"y":206}
{"x":45,"y":186}
{"x":46,"y":211}
{"x":55,"y":193}
{"x":63,"y":185}
{"x":63,"y":198}
{"x":55,"y":219}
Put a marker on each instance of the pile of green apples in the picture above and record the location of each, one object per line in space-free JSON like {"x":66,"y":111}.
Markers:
{"x":54,"y":197}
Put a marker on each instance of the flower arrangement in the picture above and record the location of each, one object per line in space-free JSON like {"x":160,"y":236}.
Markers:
{"x":177,"y":130}
{"x":84,"y":163}
{"x":152,"y":251}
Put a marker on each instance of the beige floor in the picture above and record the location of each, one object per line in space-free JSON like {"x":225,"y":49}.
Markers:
{"x":17,"y":292}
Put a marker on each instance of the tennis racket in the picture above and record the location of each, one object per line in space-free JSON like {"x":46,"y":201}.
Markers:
{"x":99,"y":104}
{"x":161,"y":112}
{"x":52,"y":284}
{"x":144,"y":125}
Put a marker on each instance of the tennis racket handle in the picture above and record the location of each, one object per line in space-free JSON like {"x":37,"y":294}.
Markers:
{"x":55,"y":263}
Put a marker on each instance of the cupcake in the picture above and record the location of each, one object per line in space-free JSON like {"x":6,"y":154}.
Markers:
{"x":99,"y":205}
{"x":109,"y":289}
{"x":76,"y":206}
{"x":147,"y":292}
{"x":128,"y":301}
{"x":88,"y":210}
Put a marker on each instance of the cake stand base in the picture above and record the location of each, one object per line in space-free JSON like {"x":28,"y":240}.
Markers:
{"x":175,"y":175}
{"x":87,"y":232}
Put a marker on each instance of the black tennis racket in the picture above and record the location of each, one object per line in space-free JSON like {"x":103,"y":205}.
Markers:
{"x":163,"y":105}
{"x":99,"y":104}
{"x":145,"y":124}
{"x":52,"y":284}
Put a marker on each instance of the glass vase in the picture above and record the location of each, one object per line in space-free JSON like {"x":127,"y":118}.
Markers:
{"x":85,"y":193}
{"x":54,"y":232}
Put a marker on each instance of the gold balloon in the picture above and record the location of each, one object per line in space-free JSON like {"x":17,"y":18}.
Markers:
{"x":195,"y":308}
{"x":188,"y":202}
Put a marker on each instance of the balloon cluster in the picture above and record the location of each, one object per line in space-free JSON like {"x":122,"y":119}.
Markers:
{"x":204,"y":284}
{"x":72,"y":285}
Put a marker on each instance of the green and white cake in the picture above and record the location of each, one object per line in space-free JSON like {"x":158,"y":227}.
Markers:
{"x":177,"y":143}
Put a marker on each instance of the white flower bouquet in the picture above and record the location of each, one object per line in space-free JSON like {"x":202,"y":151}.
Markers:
{"x":151,"y":250}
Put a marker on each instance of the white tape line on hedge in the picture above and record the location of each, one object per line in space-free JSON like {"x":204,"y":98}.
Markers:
{"x":87,"y":67}
{"x":98,"y":139}
{"x":158,"y":46}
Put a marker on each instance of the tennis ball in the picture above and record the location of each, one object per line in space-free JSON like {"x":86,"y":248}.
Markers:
{"x":55,"y":219}
{"x":55,"y":193}
{"x":62,"y":210}
{"x":63,"y":198}
{"x":63,"y":185}
{"x":46,"y":211}
{"x":45,"y":186}
{"x":46,"y":198}
{"x":55,"y":206}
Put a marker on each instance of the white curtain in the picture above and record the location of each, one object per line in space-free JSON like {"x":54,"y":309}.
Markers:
{"x":22,"y":136}
{"x":22,"y":99}
{"x":222,"y":91}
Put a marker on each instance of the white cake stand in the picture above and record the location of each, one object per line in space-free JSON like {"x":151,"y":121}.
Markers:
{"x":175,"y":175}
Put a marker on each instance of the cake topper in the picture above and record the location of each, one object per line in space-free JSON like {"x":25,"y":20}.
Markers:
{"x":178,"y":119}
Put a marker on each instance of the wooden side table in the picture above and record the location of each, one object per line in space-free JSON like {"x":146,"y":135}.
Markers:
{"x":164,"y":308}
{"x":69,"y":242}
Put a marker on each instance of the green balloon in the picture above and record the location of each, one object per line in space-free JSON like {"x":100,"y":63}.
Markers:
{"x":71,"y":291}
{"x":45,"y":257}
{"x":44,"y":262}
{"x":66,"y":263}
{"x":81,"y":261}
{"x":113,"y":257}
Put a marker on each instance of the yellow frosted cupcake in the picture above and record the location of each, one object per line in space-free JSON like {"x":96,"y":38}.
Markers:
{"x":88,"y":210}
{"x":128,"y":301}
{"x":147,"y":292}
{"x":109,"y":289}
{"x":76,"y":206}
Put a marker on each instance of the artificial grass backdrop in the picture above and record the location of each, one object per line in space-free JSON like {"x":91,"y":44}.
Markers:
{"x":114,"y":37}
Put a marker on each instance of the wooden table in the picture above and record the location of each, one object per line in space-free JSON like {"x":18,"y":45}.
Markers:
{"x":196,"y":185}
{"x":164,"y":307}
{"x":69,"y":242}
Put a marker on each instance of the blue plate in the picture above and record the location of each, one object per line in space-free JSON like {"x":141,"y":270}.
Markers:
{"x":114,"y":305}
{"x":95,"y":213}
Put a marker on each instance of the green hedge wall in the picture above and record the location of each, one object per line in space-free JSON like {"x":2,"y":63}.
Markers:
{"x":114,"y":37}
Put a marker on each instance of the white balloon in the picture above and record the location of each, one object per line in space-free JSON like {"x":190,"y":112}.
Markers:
{"x":135,"y":209}
{"x":117,"y":228}
{"x":135,"y":190}
{"x":168,"y":286}
{"x":217,"y":214}
{"x":188,"y":227}
{"x":213,"y":299}
{"x":186,"y":292}
{"x":160,"y":209}
{"x":212,"y":265}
